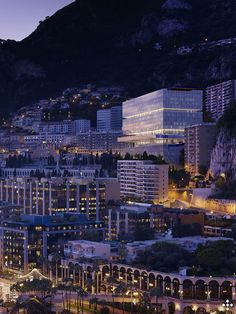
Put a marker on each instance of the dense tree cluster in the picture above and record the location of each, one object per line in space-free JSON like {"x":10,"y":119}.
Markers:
{"x":18,"y":161}
{"x":216,"y":258}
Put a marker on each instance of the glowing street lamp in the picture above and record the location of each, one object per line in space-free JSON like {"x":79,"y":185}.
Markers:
{"x":227,"y":305}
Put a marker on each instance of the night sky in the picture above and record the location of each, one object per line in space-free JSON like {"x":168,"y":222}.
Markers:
{"x":18,"y":18}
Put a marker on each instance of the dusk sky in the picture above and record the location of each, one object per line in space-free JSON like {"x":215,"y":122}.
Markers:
{"x":18,"y":18}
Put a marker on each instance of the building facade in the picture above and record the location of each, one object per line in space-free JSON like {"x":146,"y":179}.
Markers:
{"x":155,"y":122}
{"x":50,"y":196}
{"x":142,"y":179}
{"x":104,"y":120}
{"x":99,"y":141}
{"x":31,"y":237}
{"x":199,"y":141}
{"x":110,"y":119}
{"x":179,"y":293}
{"x":219,"y":97}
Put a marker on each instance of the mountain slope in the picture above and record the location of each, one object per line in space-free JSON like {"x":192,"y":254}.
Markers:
{"x":112,"y":42}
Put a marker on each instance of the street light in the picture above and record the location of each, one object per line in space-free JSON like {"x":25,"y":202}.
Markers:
{"x":227,"y":305}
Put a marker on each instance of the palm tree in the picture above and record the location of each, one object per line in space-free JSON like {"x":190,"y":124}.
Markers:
{"x":95,"y":269}
{"x":72,"y":269}
{"x":56,"y":258}
{"x":82,"y":294}
{"x":158,"y":293}
{"x":89,"y":284}
{"x":145,"y":300}
{"x":122,"y":289}
{"x":112,"y":281}
{"x":78,"y":270}
{"x":122,"y":251}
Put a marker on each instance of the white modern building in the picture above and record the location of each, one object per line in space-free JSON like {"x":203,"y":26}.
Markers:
{"x":155,"y":122}
{"x":219,"y":97}
{"x":143,"y":179}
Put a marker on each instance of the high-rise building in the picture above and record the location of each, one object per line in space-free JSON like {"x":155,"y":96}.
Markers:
{"x":109,"y":119}
{"x":155,"y":122}
{"x":219,"y":97}
{"x":82,"y":125}
{"x":104,"y":120}
{"x":143,"y":179}
{"x":199,"y":141}
{"x":116,"y":118}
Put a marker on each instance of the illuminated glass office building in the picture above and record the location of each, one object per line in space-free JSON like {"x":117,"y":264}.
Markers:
{"x":155,"y":122}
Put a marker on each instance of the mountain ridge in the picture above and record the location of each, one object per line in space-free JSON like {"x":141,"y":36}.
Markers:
{"x":113,"y":42}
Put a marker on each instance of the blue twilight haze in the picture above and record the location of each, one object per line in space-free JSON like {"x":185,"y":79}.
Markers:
{"x":18,"y":18}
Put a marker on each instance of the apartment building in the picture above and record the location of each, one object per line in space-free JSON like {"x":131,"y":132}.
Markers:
{"x":143,"y":179}
{"x":199,"y":141}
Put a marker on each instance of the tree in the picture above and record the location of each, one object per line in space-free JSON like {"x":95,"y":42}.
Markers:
{"x":122,"y":289}
{"x":122,"y":251}
{"x":55,"y":259}
{"x":209,"y":257}
{"x":145,"y":155}
{"x":82,"y":294}
{"x":127,"y":156}
{"x":142,"y":233}
{"x":202,"y":169}
{"x":41,"y":285}
{"x":145,"y":301}
{"x":112,"y":281}
{"x":89,"y":284}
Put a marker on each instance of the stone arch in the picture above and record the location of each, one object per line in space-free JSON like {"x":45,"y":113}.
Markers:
{"x":226,"y":290}
{"x":137,"y":279}
{"x":160,"y":282}
{"x":144,"y":281}
{"x":105,"y":271}
{"x":89,"y":272}
{"x":200,"y":290}
{"x":115,"y":271}
{"x":78,"y":272}
{"x":187,"y":289}
{"x":71,"y":268}
{"x":129,"y":275}
{"x":213,"y":289}
{"x":152,"y":281}
{"x":176,"y":287}
{"x":122,"y":273}
{"x":167,"y":286}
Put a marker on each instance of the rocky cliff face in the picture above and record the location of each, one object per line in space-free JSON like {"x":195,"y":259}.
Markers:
{"x":114,"y":42}
{"x":223,"y":157}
